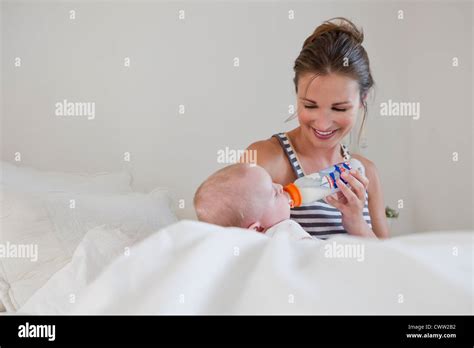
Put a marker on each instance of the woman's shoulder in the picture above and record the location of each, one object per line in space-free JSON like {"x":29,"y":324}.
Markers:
{"x":368,"y":164}
{"x":370,"y":170}
{"x":267,"y":150}
{"x":270,"y":155}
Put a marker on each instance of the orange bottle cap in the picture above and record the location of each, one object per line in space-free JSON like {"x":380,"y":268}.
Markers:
{"x":294,"y":194}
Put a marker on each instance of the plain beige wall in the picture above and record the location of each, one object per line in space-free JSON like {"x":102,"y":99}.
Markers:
{"x":190,"y":62}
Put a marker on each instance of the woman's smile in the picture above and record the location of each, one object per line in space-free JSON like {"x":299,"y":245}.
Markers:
{"x":324,"y":134}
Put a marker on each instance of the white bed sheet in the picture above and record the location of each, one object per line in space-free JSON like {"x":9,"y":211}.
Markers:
{"x":195,"y":268}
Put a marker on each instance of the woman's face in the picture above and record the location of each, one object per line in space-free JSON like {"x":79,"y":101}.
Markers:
{"x":330,"y":109}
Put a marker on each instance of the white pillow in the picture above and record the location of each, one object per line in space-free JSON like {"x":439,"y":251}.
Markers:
{"x":57,"y":222}
{"x":3,"y":293}
{"x":27,"y":179}
{"x":31,"y":180}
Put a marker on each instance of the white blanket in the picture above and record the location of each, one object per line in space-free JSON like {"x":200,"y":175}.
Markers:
{"x":197,"y":268}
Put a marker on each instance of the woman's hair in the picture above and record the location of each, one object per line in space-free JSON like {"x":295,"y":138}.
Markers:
{"x":336,"y":48}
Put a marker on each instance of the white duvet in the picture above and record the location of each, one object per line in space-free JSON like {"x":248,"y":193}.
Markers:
{"x":196,"y":268}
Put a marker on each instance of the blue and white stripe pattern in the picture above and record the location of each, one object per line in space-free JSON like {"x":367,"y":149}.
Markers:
{"x":319,"y":219}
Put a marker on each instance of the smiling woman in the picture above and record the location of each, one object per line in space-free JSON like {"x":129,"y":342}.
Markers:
{"x":332,"y":81}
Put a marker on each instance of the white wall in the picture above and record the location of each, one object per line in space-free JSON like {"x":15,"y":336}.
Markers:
{"x":190,"y":62}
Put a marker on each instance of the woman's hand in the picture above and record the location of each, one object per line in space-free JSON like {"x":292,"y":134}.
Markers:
{"x":350,"y":202}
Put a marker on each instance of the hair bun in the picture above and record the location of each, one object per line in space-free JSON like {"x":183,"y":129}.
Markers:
{"x":344,"y":26}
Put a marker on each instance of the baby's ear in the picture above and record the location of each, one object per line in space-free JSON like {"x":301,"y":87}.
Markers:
{"x":256,"y":226}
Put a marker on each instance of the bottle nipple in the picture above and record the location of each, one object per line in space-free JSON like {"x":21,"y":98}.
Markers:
{"x":294,"y":193}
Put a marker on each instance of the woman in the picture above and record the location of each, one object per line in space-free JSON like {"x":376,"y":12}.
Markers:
{"x":332,"y":80}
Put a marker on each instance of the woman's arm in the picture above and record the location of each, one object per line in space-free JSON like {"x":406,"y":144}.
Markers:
{"x":376,"y":201}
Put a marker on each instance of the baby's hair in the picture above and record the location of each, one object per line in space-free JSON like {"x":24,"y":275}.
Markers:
{"x":220,"y":199}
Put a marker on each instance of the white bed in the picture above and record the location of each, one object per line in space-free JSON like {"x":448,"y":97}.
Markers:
{"x":126,"y":253}
{"x":196,"y":268}
{"x":53,"y":211}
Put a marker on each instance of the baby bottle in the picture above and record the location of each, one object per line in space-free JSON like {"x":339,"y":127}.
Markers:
{"x":315,"y":186}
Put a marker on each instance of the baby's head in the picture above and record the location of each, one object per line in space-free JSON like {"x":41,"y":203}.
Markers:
{"x":242,"y":195}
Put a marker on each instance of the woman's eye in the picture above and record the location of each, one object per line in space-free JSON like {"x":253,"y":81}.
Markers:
{"x":314,"y":107}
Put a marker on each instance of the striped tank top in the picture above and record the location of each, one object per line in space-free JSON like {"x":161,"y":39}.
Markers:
{"x":319,"y":219}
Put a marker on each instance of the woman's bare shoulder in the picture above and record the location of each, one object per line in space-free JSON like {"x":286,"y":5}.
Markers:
{"x":368,"y":164}
{"x":267,"y":150}
{"x":269,"y":155}
{"x":370,"y":170}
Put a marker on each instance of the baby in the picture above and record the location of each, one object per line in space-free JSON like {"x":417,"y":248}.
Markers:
{"x":243,"y":195}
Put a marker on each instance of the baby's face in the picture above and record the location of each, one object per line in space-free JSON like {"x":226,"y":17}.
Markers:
{"x":274,"y":202}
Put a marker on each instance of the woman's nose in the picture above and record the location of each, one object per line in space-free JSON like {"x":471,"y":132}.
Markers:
{"x":322,"y":121}
{"x":322,"y":124}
